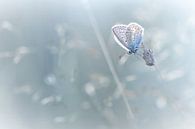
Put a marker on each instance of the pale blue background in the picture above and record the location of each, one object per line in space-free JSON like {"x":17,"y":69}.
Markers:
{"x":53,"y":74}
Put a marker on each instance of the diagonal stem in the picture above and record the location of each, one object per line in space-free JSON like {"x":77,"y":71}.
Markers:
{"x":102,"y":44}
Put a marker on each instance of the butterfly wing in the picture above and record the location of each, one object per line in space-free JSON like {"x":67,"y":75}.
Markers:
{"x":119,"y":32}
{"x":134,"y":36}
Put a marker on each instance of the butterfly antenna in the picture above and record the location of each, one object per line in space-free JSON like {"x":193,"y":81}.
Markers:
{"x":102,"y":44}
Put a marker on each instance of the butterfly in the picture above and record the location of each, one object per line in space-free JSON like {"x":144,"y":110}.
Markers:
{"x":130,"y":38}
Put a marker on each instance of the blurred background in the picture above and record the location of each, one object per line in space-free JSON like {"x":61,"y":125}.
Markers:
{"x":54,"y":74}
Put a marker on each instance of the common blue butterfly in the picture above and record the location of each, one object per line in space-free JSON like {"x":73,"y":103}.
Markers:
{"x":129,"y":37}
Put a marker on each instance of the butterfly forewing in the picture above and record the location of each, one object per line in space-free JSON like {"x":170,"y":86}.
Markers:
{"x":119,"y":32}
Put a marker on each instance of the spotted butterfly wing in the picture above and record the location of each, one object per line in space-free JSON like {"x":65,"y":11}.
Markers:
{"x":134,"y":35}
{"x":129,"y":36}
{"x":119,"y":32}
